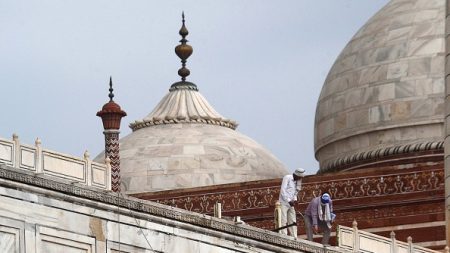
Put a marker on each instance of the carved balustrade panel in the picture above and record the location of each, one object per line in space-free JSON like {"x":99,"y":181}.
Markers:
{"x":351,"y":188}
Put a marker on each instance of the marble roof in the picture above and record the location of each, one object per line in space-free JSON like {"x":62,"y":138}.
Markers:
{"x":183,"y":105}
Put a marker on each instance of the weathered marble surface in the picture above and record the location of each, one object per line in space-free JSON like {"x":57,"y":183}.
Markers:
{"x":387,"y":86}
{"x":9,"y":240}
{"x":45,"y":215}
{"x":369,"y":241}
{"x":188,"y":155}
{"x":447,"y":123}
{"x":185,"y":105}
{"x":59,"y":165}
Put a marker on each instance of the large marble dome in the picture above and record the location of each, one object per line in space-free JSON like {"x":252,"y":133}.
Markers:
{"x":185,"y":143}
{"x":383,"y":99}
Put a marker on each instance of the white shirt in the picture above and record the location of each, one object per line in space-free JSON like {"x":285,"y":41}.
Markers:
{"x":289,"y":189}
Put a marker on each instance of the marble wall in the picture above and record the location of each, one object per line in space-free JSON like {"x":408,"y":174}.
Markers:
{"x":447,"y":122}
{"x":44,"y":215}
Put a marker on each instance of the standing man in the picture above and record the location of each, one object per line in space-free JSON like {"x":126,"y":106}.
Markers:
{"x":290,"y":187}
{"x":319,"y":214}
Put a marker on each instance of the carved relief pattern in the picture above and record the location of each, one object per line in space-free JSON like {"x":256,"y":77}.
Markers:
{"x":384,"y":213}
{"x":231,"y":201}
{"x":341,"y":162}
{"x":112,"y":151}
{"x":257,"y":198}
{"x":378,"y":186}
{"x":387,"y":213}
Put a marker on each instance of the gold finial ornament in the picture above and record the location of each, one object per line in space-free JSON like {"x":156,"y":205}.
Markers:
{"x":183,"y":51}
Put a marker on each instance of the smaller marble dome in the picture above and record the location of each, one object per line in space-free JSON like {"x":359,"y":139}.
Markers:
{"x":185,"y":143}
{"x":184,"y":155}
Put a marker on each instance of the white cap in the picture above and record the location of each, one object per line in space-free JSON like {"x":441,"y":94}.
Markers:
{"x":299,"y":172}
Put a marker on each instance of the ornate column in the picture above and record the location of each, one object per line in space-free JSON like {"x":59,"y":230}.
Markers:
{"x":111,"y":115}
{"x":447,"y":121}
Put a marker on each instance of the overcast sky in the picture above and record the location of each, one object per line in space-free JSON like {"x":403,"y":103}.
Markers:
{"x":259,"y":62}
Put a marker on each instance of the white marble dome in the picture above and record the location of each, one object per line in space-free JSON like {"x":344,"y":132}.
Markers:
{"x":185,"y":143}
{"x":384,"y":95}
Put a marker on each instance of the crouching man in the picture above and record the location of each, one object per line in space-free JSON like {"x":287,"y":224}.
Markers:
{"x":319,"y":215}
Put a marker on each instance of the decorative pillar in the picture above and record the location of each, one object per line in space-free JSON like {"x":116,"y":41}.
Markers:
{"x":39,"y":158}
{"x":447,"y":122}
{"x":218,"y":210}
{"x":410,"y":244}
{"x":111,"y":115}
{"x":16,"y":154}
{"x":88,"y":162}
{"x":277,"y":216}
{"x":355,"y":236}
{"x":393,"y":243}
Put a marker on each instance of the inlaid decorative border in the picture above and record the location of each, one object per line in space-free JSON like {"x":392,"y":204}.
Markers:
{"x":340,"y":189}
{"x":380,"y":153}
{"x":201,"y":120}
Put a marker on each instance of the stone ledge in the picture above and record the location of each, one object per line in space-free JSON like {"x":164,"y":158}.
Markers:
{"x":142,"y":207}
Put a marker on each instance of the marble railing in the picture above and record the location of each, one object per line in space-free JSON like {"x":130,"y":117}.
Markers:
{"x":356,"y":240}
{"x":55,"y":164}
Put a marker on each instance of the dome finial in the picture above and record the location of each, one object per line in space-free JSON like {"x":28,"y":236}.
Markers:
{"x":183,"y":51}
{"x":111,"y":94}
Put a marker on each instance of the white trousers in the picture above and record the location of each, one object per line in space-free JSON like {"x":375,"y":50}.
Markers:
{"x":288,"y":217}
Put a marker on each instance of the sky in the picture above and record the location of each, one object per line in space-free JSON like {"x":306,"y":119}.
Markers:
{"x":259,"y":62}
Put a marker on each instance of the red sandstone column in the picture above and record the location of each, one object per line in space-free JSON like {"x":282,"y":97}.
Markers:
{"x":111,"y":115}
{"x":447,"y":121}
{"x":112,"y":151}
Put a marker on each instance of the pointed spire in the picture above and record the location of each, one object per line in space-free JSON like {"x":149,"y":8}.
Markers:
{"x":183,"y":51}
{"x":111,"y":112}
{"x":183,"y":31}
{"x":111,"y":94}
